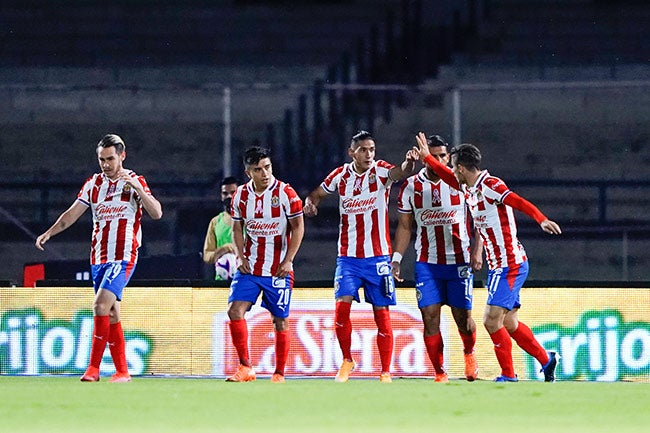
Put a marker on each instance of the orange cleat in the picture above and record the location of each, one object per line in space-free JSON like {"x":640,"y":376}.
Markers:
{"x":120,"y":378}
{"x":344,"y":371}
{"x":243,"y":374}
{"x":277,"y":378}
{"x":385,"y":378}
{"x":471,"y":367}
{"x":91,"y":374}
{"x":442,"y":378}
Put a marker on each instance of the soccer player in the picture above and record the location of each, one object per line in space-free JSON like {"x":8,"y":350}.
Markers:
{"x":364,"y":243}
{"x":116,"y":197}
{"x":268,"y":228}
{"x":491,"y":204}
{"x":218,"y":239}
{"x":443,"y":273}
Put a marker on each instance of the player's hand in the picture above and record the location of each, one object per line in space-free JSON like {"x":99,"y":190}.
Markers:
{"x":551,"y":227}
{"x":130,"y":180}
{"x":422,"y":148}
{"x":476,"y":262}
{"x":395,"y":269}
{"x":309,"y":209}
{"x":244,"y":266}
{"x":41,"y":240}
{"x":284,"y":269}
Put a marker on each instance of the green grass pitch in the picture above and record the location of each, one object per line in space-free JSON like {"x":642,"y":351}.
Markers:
{"x":63,"y":404}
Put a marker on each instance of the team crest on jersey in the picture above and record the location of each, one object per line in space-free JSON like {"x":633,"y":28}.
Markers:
{"x":275,"y":201}
{"x":126,"y":189}
{"x":372,"y":178}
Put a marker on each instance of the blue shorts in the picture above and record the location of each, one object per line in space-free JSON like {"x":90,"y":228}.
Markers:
{"x":451,"y":285}
{"x":504,"y":285}
{"x":112,"y":276}
{"x":276,"y":292}
{"x":372,"y":273}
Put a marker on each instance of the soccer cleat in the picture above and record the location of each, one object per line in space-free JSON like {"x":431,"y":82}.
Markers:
{"x":120,"y":378}
{"x":91,"y":374}
{"x":441,"y":378}
{"x":549,"y":368}
{"x":243,"y":374}
{"x":471,"y":367}
{"x":344,"y":371}
{"x":277,"y":378}
{"x":385,"y":378}
{"x":503,"y":378}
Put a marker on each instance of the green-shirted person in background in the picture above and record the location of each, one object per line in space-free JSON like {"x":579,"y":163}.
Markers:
{"x":218,"y":239}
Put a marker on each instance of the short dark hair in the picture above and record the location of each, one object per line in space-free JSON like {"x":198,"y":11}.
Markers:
{"x":229,"y":180}
{"x":436,"y":140}
{"x":112,"y":140}
{"x":467,"y":155}
{"x":255,"y":154}
{"x":360,"y":136}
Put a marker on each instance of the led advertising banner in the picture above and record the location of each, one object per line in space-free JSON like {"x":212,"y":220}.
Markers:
{"x":601,"y":334}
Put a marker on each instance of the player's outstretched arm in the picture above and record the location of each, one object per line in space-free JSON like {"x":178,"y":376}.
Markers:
{"x":65,"y":220}
{"x":310,"y":207}
{"x":515,"y":201}
{"x":551,"y":227}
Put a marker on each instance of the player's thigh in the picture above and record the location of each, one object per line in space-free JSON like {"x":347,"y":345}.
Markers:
{"x":276,"y":295}
{"x":428,"y":289}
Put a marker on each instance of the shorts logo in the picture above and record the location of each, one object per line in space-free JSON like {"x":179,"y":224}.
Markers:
{"x":464,"y":271}
{"x":278,"y":283}
{"x":383,"y":268}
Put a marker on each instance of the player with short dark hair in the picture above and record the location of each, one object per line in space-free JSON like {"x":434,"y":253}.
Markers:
{"x":116,"y":197}
{"x":268,"y":229}
{"x":364,"y":245}
{"x":491,"y":204}
{"x":443,"y":267}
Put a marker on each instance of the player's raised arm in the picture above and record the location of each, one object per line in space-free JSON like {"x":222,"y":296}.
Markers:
{"x":444,"y":172}
{"x":407,"y":166}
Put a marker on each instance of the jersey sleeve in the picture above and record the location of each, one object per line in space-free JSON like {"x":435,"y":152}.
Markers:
{"x":236,"y":212}
{"x":84,"y":193}
{"x":383,"y":171}
{"x":144,"y":184}
{"x":495,"y":189}
{"x":404,"y":198}
{"x":294,"y":208}
{"x":332,"y":179}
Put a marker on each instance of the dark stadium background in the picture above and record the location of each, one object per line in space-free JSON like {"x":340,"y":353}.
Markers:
{"x":554,"y":91}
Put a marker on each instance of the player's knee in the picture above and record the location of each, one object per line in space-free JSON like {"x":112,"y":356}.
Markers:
{"x":280,"y":324}
{"x":101,"y":308}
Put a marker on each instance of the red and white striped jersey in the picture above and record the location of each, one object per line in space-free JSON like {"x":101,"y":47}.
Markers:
{"x":495,"y":221}
{"x":363,"y":209}
{"x":116,"y":210}
{"x":440,"y":216}
{"x":265,"y":217}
